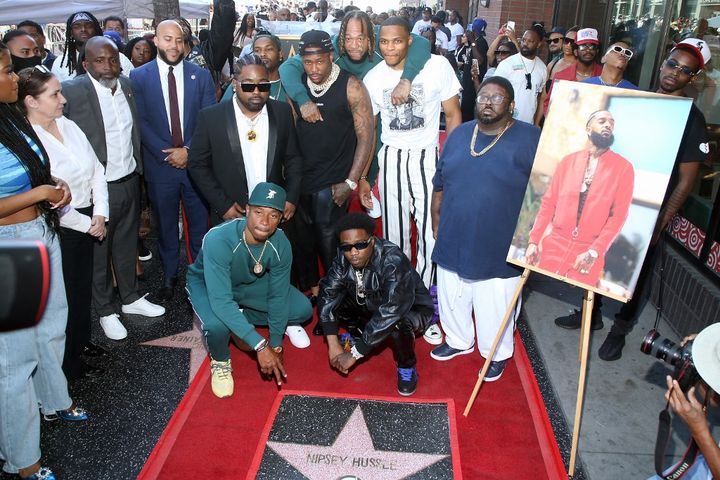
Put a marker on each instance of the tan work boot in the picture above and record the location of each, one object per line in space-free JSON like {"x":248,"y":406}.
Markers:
{"x":222,"y":381}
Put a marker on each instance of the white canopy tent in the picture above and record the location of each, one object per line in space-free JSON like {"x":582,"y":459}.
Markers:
{"x":53,"y":11}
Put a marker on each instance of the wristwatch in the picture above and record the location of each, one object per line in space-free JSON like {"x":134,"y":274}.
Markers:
{"x":277,"y":349}
{"x":593,"y":254}
{"x":262,"y":346}
{"x":351,"y":184}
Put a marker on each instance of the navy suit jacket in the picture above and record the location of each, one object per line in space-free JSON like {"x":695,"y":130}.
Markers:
{"x":199,"y":93}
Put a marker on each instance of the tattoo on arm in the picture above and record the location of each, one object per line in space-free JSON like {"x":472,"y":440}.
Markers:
{"x":361,"y":108}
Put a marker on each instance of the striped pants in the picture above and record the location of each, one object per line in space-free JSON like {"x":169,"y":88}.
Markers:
{"x":405,"y":186}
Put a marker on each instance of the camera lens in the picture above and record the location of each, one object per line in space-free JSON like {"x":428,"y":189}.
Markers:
{"x":663,"y":348}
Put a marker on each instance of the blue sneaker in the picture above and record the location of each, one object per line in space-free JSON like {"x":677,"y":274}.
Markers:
{"x":495,"y":371}
{"x":407,"y":381}
{"x":43,"y":474}
{"x":446,"y":352}
{"x":76,"y":414}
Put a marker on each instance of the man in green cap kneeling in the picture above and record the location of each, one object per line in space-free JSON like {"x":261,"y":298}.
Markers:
{"x":240,"y":280}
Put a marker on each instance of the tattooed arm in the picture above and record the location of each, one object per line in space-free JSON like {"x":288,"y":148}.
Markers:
{"x":687,"y":174}
{"x":361,"y":108}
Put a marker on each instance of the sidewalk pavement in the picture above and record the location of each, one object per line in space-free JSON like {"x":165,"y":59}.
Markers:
{"x":622,"y":398}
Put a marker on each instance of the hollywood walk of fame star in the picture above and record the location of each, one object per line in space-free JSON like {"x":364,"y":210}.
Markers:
{"x":192,"y":339}
{"x":352,"y":455}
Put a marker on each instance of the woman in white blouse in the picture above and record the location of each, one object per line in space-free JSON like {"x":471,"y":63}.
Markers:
{"x":83,"y":221}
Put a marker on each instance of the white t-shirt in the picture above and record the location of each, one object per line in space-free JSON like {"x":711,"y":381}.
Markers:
{"x":60,"y":68}
{"x":421,"y":24}
{"x":415,"y":124}
{"x":514,"y":68}
{"x":441,"y":40}
{"x":455,"y":30}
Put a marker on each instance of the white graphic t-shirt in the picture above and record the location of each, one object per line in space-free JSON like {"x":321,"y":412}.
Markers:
{"x":414,"y":124}
{"x":517,"y":69}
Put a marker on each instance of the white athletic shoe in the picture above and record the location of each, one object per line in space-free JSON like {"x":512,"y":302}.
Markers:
{"x":433,"y":335}
{"x":298,"y":337}
{"x":143,"y":307}
{"x":222,"y":381}
{"x":113,"y":328}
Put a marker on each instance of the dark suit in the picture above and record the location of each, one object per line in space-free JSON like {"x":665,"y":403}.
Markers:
{"x":215,"y":161}
{"x":120,"y":244}
{"x":167,"y":184}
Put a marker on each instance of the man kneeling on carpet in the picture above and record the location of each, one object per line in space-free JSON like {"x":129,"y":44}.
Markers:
{"x":372,"y":290}
{"x":241,"y":279}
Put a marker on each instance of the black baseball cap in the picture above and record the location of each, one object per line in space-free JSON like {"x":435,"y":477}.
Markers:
{"x":559,"y":30}
{"x":315,"y":40}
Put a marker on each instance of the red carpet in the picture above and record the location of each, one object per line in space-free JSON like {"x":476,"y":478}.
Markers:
{"x":506,"y":436}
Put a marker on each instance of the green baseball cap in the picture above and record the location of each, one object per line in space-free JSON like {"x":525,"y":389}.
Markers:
{"x":266,"y":194}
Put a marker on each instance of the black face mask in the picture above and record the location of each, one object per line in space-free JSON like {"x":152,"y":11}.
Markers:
{"x":20,"y":63}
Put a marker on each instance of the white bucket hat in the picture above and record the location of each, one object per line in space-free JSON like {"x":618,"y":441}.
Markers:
{"x":706,"y":355}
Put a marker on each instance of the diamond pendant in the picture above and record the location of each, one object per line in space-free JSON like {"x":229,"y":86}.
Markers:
{"x":258,"y":269}
{"x":251,"y":135}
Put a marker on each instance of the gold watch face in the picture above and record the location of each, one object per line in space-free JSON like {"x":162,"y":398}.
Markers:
{"x":277,"y":349}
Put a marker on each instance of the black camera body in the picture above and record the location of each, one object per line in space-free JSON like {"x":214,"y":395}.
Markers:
{"x":670,"y":352}
{"x":24,"y":283}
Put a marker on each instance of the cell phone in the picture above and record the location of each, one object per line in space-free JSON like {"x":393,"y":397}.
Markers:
{"x":511,"y":25}
{"x":475,"y":64}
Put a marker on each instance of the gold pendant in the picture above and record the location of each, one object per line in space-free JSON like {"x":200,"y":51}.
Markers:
{"x":251,"y":135}
{"x":258,"y":269}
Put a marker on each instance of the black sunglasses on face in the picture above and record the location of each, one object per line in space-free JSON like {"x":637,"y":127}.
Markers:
{"x":673,"y":65}
{"x":553,"y":40}
{"x":502,"y":52}
{"x":250,"y":87}
{"x":358,"y":246}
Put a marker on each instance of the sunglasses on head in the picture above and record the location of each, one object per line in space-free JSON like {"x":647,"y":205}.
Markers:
{"x":673,"y":65}
{"x":347,"y":247}
{"x":621,"y":50}
{"x":553,"y":40}
{"x":250,"y":87}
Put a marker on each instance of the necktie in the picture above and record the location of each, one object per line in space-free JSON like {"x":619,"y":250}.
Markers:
{"x":175,"y":128}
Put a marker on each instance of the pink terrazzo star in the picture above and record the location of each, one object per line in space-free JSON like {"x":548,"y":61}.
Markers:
{"x":352,"y":455}
{"x":192,"y":339}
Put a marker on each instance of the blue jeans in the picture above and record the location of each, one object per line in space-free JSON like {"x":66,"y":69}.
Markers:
{"x":31,"y":362}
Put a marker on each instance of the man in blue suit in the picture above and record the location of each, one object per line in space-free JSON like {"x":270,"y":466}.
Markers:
{"x":169,"y":93}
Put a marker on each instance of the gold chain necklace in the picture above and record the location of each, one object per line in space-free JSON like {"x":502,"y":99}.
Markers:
{"x":492,"y":144}
{"x":258,"y":268}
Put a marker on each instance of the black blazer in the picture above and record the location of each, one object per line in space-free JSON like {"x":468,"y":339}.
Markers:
{"x":215,"y":160}
{"x":83,"y":108}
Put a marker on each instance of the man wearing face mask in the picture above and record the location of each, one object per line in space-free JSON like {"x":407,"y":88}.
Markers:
{"x":23,"y":50}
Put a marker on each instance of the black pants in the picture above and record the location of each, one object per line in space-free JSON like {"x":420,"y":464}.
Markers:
{"x":313,"y":235}
{"x":627,"y":317}
{"x":401,"y":338}
{"x":77,"y":262}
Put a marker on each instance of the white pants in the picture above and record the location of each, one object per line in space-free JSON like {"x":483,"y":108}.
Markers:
{"x":489,"y":299}
{"x":405,"y":186}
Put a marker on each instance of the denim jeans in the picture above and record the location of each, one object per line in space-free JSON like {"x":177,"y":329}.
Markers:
{"x":31,"y":362}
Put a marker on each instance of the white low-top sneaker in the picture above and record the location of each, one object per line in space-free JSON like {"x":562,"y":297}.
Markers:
{"x":143,"y":307}
{"x":298,"y":337}
{"x":433,"y":335}
{"x":112,"y":327}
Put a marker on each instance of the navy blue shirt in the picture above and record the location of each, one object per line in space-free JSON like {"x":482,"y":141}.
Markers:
{"x":481,"y":200}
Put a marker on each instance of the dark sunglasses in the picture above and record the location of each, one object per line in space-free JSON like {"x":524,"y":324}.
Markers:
{"x":502,"y":52}
{"x":250,"y":87}
{"x":588,"y":46}
{"x":569,"y":41}
{"x":673,"y":65}
{"x":553,"y":40}
{"x":621,"y":50}
{"x":358,"y":246}
{"x":528,"y":85}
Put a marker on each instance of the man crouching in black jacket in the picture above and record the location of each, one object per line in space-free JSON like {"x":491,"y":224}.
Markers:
{"x":372,"y":290}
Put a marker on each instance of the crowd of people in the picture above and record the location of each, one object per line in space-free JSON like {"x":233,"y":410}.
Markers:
{"x":271,"y":162}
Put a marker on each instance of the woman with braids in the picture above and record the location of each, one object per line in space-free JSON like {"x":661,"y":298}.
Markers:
{"x":30,"y":359}
{"x":80,"y":26}
{"x":246,"y":32}
{"x":73,"y":159}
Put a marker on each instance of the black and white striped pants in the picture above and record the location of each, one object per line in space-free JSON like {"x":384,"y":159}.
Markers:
{"x":405,"y":186}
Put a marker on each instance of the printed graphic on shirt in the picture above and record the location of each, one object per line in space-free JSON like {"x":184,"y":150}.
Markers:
{"x":407,"y":116}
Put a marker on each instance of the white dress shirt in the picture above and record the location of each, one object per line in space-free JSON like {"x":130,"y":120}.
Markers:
{"x":118,"y":123}
{"x":178,"y":69}
{"x":254,"y":153}
{"x":74,"y":161}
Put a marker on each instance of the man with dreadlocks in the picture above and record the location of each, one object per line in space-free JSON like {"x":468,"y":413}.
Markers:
{"x":30,"y":358}
{"x":79,"y":28}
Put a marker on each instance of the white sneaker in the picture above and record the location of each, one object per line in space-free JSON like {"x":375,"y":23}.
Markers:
{"x":222,"y":381}
{"x":143,"y":307}
{"x":112,"y":327}
{"x":298,"y":337}
{"x":433,"y":335}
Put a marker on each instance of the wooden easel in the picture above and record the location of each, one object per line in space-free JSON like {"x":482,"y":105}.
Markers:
{"x":588,"y":301}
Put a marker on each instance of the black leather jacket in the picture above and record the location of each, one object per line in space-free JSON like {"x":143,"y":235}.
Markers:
{"x":393,"y":291}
